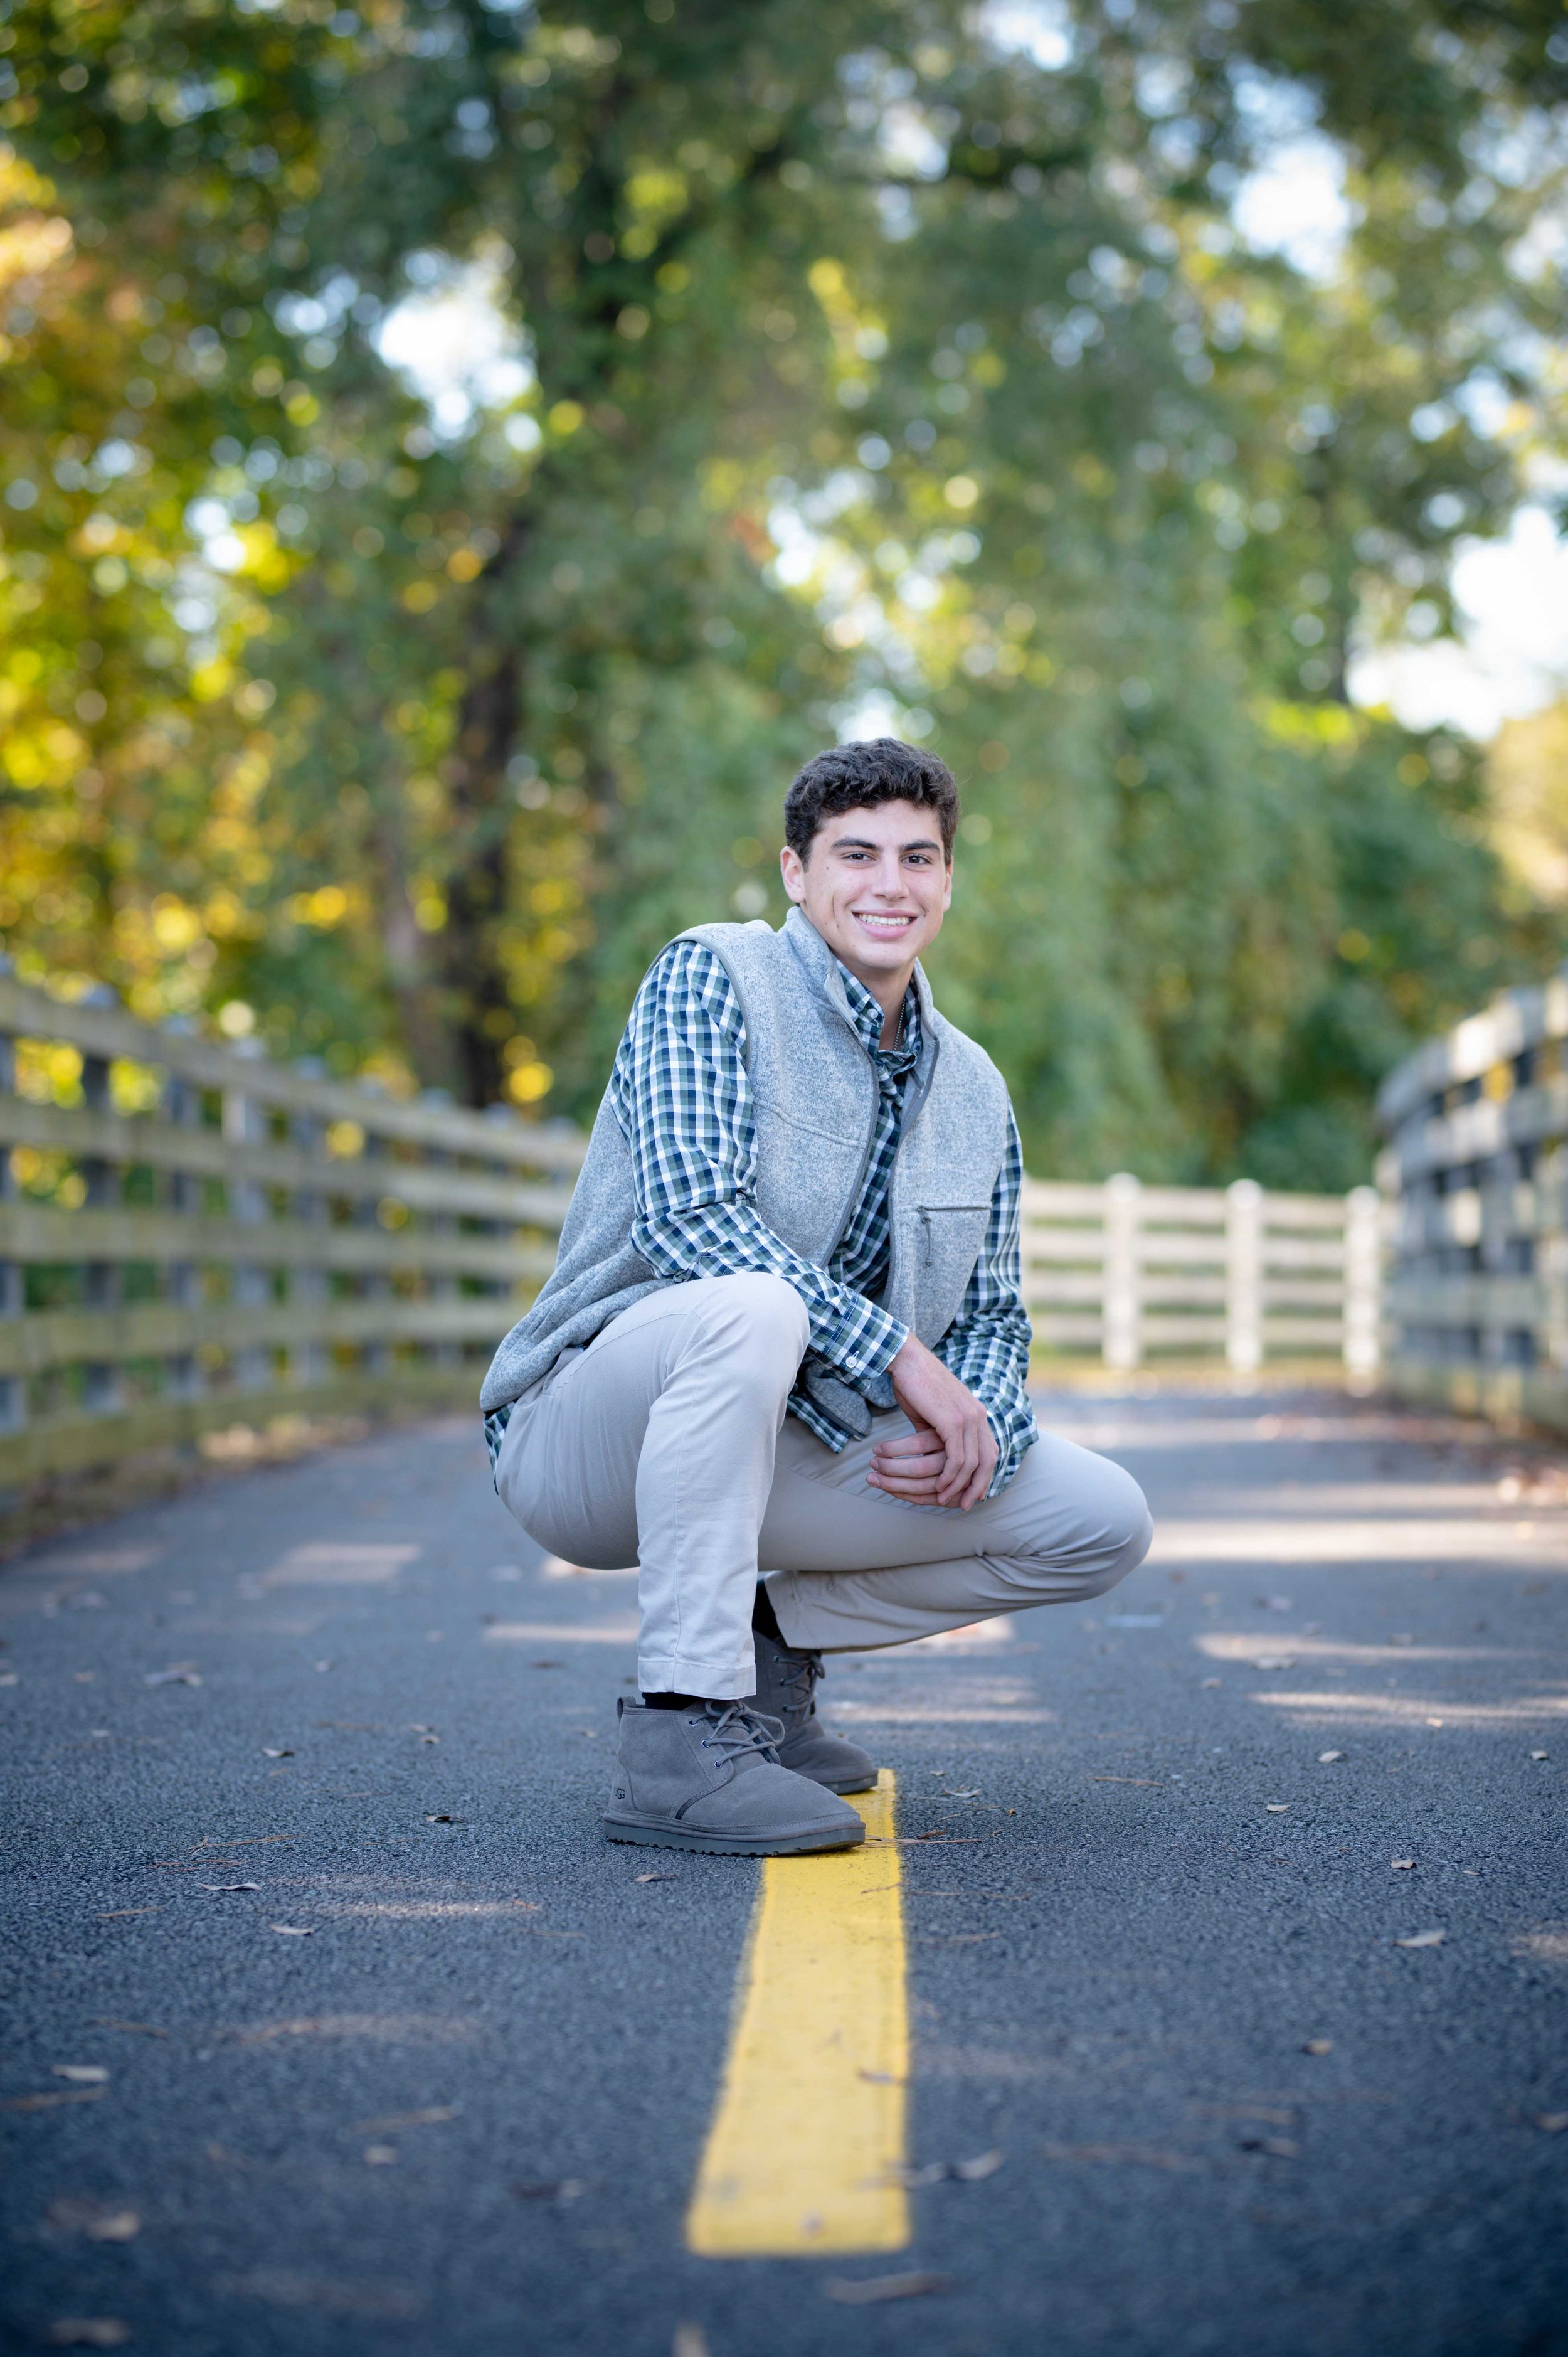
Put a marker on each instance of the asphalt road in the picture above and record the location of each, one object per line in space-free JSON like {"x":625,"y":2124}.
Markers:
{"x":456,"y":2108}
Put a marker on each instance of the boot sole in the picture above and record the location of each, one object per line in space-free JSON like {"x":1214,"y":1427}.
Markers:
{"x":845,"y":1783}
{"x":667,"y":1836}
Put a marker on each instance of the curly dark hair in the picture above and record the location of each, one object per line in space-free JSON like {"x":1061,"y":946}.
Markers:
{"x":859,"y":777}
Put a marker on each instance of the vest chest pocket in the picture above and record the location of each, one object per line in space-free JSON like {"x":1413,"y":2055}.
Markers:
{"x":944,"y":1225}
{"x":947,"y":1241}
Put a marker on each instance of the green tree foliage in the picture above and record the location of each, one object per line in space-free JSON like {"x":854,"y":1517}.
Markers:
{"x":891,"y":361}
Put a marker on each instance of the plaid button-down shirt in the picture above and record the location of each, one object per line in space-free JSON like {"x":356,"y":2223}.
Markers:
{"x":680,"y":1092}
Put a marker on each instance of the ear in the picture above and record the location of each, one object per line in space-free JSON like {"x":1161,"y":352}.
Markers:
{"x":792,"y":868}
{"x":947,"y":887}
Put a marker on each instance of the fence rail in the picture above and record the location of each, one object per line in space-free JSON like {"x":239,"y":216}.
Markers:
{"x":1240,"y":1273}
{"x":1475,"y":1176}
{"x":192,"y":1237}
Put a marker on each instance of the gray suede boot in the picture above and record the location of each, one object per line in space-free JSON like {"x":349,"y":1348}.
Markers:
{"x":708,"y":1778}
{"x":787,"y":1680}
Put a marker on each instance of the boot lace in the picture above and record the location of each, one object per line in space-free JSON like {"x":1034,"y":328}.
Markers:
{"x":735,"y":1731}
{"x":799,"y":1674}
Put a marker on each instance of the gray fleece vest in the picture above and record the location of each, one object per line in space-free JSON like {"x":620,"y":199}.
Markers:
{"x":814,"y":1101}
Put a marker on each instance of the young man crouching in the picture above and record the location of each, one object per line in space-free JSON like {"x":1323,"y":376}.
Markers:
{"x":782,"y":1363}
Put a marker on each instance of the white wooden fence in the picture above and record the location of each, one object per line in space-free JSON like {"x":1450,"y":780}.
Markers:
{"x":1131,"y":1273}
{"x":192,"y":1238}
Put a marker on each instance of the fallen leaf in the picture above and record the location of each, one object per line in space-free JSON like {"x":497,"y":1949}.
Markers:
{"x":1274,"y":1662}
{"x":971,"y":1792}
{"x":380,"y":2156}
{"x":1275,"y":1808}
{"x":1318,"y":2046}
{"x":116,"y":1914}
{"x":418,"y":1727}
{"x":1552,"y":2123}
{"x":1401,"y":1865}
{"x":81,"y":2074}
{"x":226,"y":1886}
{"x":1213,"y":1682}
{"x":294,"y":1930}
{"x":653,"y":1878}
{"x":861,"y":2291}
{"x":1281,"y":2148}
{"x":88,"y":2332}
{"x":1422,"y":1940}
{"x":268,"y":1753}
{"x":96,"y":2220}
{"x":937,"y":2172}
{"x":442,"y":1818}
{"x":1149,"y":1782}
{"x":1324,"y":1758}
{"x":690,"y":2340}
{"x":1539,"y":1755}
{"x":178,"y":1673}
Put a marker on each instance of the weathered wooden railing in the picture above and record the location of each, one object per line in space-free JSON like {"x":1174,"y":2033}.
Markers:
{"x":191,"y":1237}
{"x":1238,"y":1274}
{"x":1475,"y":1174}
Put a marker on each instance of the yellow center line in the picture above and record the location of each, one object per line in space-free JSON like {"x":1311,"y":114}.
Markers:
{"x":806,"y":2148}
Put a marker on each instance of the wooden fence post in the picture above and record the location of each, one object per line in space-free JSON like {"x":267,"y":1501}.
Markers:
{"x":1363,"y":1281}
{"x":1123,"y":1345}
{"x":102,"y":1280}
{"x":244,"y":1123}
{"x":1245,"y":1275}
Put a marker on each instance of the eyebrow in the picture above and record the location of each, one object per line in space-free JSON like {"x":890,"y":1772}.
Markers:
{"x":864,"y":842}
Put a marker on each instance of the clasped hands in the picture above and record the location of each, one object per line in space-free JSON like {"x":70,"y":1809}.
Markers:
{"x":950,"y":1457}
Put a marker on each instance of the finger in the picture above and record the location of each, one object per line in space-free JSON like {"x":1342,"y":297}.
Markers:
{"x":921,"y":1493}
{"x":911,"y":1443}
{"x":983,"y":1471}
{"x":961,"y":1462}
{"x":926,"y":1478}
{"x":909,"y":1459}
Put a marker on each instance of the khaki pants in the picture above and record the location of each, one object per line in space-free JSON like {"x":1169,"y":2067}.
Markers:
{"x":665,"y":1444}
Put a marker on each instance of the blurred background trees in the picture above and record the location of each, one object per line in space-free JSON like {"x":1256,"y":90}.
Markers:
{"x":457,"y":460}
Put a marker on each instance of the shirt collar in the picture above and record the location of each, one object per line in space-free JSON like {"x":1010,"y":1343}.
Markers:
{"x":916,"y":1031}
{"x":868,"y":1018}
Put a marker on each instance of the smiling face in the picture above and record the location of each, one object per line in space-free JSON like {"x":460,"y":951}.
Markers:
{"x":875,"y":883}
